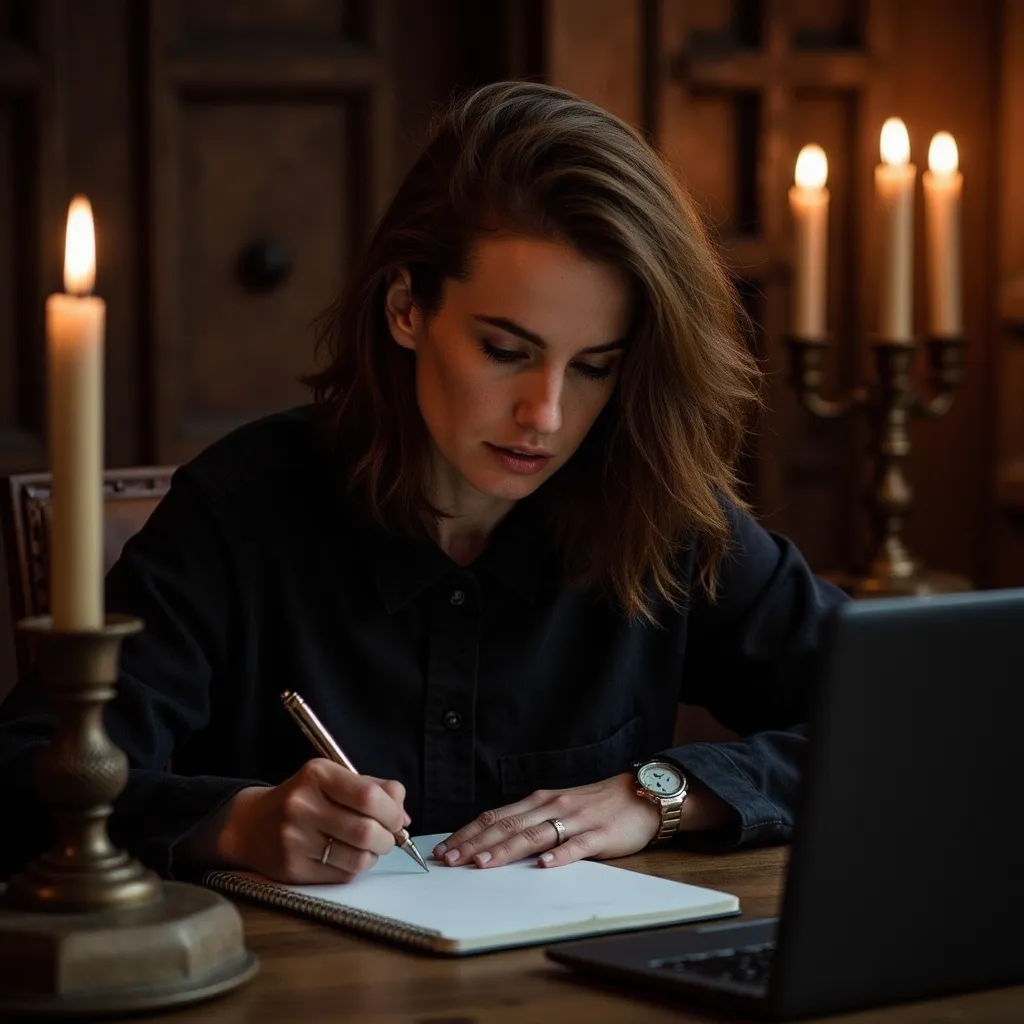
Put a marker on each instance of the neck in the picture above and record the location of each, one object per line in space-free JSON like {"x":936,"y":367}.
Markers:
{"x":470,"y":517}
{"x":460,"y":542}
{"x":463,"y":534}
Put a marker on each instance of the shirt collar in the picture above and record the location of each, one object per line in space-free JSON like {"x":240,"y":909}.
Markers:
{"x":519,"y":556}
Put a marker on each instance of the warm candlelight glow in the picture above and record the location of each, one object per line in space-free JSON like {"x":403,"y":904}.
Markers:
{"x":811,"y":167}
{"x":895,"y":143}
{"x":943,"y":157}
{"x":80,"y":249}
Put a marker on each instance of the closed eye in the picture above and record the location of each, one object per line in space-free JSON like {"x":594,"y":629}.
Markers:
{"x":501,"y":355}
{"x":498,"y":354}
{"x":593,"y":372}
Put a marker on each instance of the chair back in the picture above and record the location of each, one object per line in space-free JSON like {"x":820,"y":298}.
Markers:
{"x":129,"y":497}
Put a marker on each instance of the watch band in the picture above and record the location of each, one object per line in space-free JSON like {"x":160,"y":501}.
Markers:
{"x":670,"y":818}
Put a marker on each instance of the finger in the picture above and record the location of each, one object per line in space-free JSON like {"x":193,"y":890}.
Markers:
{"x":309,"y":871}
{"x":359,"y":831}
{"x":533,"y":839}
{"x":392,"y":787}
{"x":578,"y":847}
{"x":494,"y":827}
{"x":450,"y":850}
{"x":397,"y":793}
{"x":344,"y":858}
{"x":361,"y":793}
{"x":302,"y":860}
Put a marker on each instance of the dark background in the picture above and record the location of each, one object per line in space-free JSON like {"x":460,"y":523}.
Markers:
{"x":212,"y":136}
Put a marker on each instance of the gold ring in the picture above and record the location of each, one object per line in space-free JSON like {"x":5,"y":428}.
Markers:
{"x":327,"y":850}
{"x":559,"y":829}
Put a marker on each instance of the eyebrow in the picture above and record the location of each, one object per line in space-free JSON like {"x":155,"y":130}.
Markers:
{"x":503,"y":323}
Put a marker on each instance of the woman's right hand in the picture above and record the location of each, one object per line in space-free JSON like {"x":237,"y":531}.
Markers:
{"x":282,"y":831}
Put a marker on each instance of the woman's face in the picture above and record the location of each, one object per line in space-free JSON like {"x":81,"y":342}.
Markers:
{"x":516,"y":365}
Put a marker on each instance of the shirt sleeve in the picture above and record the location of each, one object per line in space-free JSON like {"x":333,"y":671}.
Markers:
{"x":752,"y":659}
{"x":176,"y":575}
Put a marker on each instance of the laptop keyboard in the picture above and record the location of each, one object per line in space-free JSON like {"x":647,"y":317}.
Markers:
{"x":749,"y":965}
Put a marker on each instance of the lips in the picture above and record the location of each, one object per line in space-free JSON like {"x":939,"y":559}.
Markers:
{"x":526,"y":461}
{"x":529,"y":453}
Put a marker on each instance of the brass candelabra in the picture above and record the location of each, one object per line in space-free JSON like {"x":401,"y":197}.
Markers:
{"x":891,"y":403}
{"x":86,"y":929}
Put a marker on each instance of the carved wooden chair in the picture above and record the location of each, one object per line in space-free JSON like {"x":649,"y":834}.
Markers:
{"x":129,"y":497}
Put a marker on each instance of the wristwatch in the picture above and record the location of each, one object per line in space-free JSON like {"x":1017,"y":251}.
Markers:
{"x":665,"y":786}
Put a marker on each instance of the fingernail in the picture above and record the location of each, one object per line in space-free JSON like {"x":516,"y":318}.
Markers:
{"x":451,"y":856}
{"x":547,"y":858}
{"x":483,"y":858}
{"x":439,"y":850}
{"x":406,"y":820}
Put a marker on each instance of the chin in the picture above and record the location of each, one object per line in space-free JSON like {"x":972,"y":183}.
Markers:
{"x":507,"y":487}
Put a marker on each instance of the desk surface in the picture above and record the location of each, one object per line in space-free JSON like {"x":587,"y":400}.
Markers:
{"x":312,"y":972}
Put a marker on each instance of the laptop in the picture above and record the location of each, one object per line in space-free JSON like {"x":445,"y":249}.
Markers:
{"x":906,"y":875}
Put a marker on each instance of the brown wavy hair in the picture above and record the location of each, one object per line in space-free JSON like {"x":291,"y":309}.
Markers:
{"x":656,"y":469}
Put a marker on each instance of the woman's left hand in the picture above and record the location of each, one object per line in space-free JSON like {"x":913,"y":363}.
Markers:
{"x":602,"y":820}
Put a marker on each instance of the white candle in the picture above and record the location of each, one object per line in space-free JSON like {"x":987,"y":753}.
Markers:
{"x":943,"y":185}
{"x":808,"y":204}
{"x":74,"y":334}
{"x":894,"y":192}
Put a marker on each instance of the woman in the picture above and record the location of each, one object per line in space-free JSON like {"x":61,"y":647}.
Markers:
{"x":495,"y":554}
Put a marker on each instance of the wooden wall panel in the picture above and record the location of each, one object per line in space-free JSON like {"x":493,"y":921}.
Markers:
{"x":1008,"y":383}
{"x":267,"y":143}
{"x":945,"y":76}
{"x":31,"y":167}
{"x":11,"y":200}
{"x":196,"y":127}
{"x":30,"y":173}
{"x":594,"y":48}
{"x":747,"y":85}
{"x":739,"y":87}
{"x":67,"y":125}
{"x":101,"y":136}
{"x":305,"y":20}
{"x":257,"y":174}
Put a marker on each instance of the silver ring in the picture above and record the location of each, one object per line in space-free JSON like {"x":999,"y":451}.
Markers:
{"x":327,"y":850}
{"x":559,"y":829}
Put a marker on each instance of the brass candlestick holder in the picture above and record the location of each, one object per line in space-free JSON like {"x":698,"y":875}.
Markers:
{"x":86,"y":929}
{"x":890,"y":404}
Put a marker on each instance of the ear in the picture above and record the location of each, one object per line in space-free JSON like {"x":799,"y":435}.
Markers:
{"x":403,"y":316}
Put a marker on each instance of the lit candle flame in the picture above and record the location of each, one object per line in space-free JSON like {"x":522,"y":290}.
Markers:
{"x":80,"y":249}
{"x":895,"y":143}
{"x":811,"y":167}
{"x":943,"y":157}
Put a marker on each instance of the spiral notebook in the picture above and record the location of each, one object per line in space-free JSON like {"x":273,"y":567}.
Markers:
{"x":470,"y":910}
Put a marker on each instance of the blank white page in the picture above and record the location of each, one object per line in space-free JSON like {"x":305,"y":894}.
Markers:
{"x":517,"y":904}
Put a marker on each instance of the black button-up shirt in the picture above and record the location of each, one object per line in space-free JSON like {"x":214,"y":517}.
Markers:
{"x":473,"y":685}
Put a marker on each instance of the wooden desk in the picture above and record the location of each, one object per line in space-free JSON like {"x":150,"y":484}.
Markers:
{"x":311,"y":972}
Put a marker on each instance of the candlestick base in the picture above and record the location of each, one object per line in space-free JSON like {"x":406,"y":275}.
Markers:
{"x":185,"y":946}
{"x":919,"y":584}
{"x":86,"y":929}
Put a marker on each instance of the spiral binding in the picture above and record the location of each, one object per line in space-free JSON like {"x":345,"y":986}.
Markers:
{"x":330,"y":913}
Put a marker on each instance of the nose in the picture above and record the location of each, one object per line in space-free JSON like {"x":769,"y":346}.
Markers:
{"x":539,"y":405}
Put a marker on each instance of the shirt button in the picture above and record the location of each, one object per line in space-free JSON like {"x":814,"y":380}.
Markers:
{"x":452,"y":720}
{"x":458,"y":597}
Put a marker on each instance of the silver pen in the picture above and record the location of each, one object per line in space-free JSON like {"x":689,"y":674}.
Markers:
{"x":326,"y":746}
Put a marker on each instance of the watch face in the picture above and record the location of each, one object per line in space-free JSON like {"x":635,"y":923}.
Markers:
{"x":660,"y":778}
